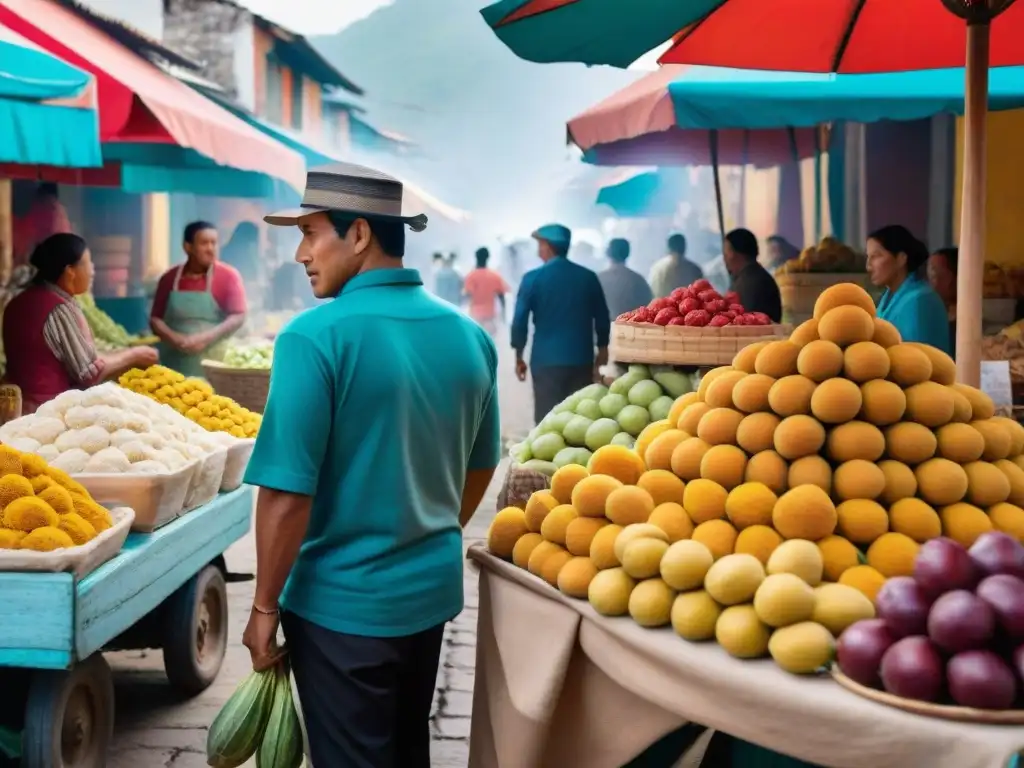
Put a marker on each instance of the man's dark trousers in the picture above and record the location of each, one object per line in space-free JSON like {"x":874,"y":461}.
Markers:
{"x":553,"y":383}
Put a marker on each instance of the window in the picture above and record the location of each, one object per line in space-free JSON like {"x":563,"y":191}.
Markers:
{"x":274,"y":97}
{"x":298,"y":97}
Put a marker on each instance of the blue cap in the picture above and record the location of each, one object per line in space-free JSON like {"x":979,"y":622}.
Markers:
{"x":558,"y":235}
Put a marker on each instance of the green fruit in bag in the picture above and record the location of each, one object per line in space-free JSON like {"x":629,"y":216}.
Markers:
{"x":236,"y":731}
{"x":282,"y":742}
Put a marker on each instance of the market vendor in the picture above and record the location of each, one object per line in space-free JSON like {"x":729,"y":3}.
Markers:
{"x":198,"y":305}
{"x":942,"y":277}
{"x":46,"y":339}
{"x":754,"y":284}
{"x":895,"y":262}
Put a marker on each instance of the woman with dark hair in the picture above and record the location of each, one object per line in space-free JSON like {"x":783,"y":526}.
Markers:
{"x":780,"y":250}
{"x":46,"y":338}
{"x":896,"y":261}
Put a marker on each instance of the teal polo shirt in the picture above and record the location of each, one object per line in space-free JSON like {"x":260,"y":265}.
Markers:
{"x":380,"y":401}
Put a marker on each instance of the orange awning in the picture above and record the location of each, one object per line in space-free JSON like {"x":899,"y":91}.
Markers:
{"x":139,"y":103}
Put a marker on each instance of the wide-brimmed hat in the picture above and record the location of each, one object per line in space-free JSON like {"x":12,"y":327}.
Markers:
{"x":352,"y":189}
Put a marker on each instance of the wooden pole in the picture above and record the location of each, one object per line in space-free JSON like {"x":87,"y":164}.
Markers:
{"x":971,"y":266}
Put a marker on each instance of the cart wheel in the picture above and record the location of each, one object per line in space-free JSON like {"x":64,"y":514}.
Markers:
{"x":196,"y":631}
{"x":69,"y":717}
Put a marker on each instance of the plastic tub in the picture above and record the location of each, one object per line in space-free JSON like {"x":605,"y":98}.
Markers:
{"x":77,"y":560}
{"x":206,"y":480}
{"x":157,"y":499}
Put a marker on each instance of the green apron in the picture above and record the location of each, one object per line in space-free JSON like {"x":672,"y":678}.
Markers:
{"x":187,"y":313}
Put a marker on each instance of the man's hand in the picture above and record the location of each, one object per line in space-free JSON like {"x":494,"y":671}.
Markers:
{"x":600,"y":361}
{"x":194,"y":344}
{"x":521,"y":369}
{"x":260,"y":637}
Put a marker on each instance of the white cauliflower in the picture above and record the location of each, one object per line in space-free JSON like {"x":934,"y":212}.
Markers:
{"x":149,"y":467}
{"x":44,"y":430}
{"x":171,"y":458}
{"x":122,"y":436}
{"x":60,"y":405}
{"x":48,"y":453}
{"x":111,"y":419}
{"x":14,"y":429}
{"x":105,"y":394}
{"x":136,"y":451}
{"x":137,"y":422}
{"x":108,"y":461}
{"x":94,"y":439}
{"x":78,"y":417}
{"x":72,"y":461}
{"x":24,"y":444}
{"x":151,"y":439}
{"x":69,"y":440}
{"x":191,"y":451}
{"x":207,"y":442}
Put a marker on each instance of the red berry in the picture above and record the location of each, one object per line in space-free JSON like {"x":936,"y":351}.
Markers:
{"x":697,"y":318}
{"x":688,"y":305}
{"x":665,"y":315}
{"x":701,"y":285}
{"x":719,"y":320}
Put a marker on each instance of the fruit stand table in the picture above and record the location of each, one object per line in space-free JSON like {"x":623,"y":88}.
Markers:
{"x":557,"y":684}
{"x":164,"y":590}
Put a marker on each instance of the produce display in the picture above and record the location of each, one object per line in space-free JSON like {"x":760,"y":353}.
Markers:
{"x":194,"y":399}
{"x":598,"y":415}
{"x":254,"y":355}
{"x":1007,"y":345}
{"x":830,"y":255}
{"x":772,"y":505}
{"x":43,"y":509}
{"x":106,"y":333}
{"x":695,"y":306}
{"x":109,"y":430}
{"x":952,"y":632}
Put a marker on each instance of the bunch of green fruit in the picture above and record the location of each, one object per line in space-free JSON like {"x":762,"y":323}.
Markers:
{"x":253,"y":356}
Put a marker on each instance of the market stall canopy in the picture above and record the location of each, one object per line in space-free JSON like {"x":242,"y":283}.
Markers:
{"x":645,"y":123}
{"x":47,"y":108}
{"x":655,"y":192}
{"x":140,"y":105}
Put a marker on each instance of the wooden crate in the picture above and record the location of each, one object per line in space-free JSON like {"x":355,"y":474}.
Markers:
{"x":682,"y":345}
{"x":799,"y":290}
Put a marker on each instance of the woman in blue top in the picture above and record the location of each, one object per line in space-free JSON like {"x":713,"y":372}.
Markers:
{"x":895,"y":261}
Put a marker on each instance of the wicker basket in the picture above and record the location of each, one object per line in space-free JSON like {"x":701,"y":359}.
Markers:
{"x":682,"y":345}
{"x":246,"y":386}
{"x":800,"y":290}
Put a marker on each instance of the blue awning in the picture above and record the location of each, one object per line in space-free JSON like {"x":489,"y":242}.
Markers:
{"x":47,"y":108}
{"x":648,"y":193}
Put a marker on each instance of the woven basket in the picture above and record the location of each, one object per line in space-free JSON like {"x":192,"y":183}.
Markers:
{"x":799,"y":290}
{"x":682,"y":345}
{"x":246,"y":386}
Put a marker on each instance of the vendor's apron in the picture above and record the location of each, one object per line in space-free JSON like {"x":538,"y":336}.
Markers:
{"x":190,"y":312}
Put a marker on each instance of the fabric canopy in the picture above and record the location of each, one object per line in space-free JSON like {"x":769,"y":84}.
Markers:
{"x":647,"y":193}
{"x":140,"y":104}
{"x":47,"y":108}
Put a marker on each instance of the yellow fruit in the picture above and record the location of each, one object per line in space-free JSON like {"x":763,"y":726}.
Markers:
{"x":641,"y":558}
{"x":745,"y":358}
{"x":538,"y":506}
{"x":861,"y":520}
{"x":718,"y":535}
{"x":575,"y":577}
{"x":858,"y":479}
{"x":718,"y":426}
{"x":964,"y":523}
{"x":565,"y":479}
{"x":801,"y":558}
{"x":552,"y":566}
{"x":709,"y":378}
{"x":846,"y":325}
{"x":856,"y":440}
{"x":982,"y":406}
{"x":783,"y":599}
{"x":13,"y":487}
{"x":769,"y":468}
{"x":631,"y":533}
{"x":916,"y":519}
{"x":524,"y":548}
{"x":59,"y":498}
{"x":46,"y":539}
{"x":986,"y":484}
{"x":659,"y":452}
{"x":1008,"y":518}
{"x":33,"y":466}
{"x":759,"y":541}
{"x":750,"y":394}
{"x":883,"y":402}
{"x":694,"y":615}
{"x":80,"y":531}
{"x":11,"y":539}
{"x":802,"y":649}
{"x":725,"y":465}
{"x":805,"y":512}
{"x":617,"y":461}
{"x":777,"y":359}
{"x":941,"y":482}
{"x":820,"y":360}
{"x":590,"y":495}
{"x":704,"y":500}
{"x":685,"y":564}
{"x":580,"y":533}
{"x":750,"y":504}
{"x":662,"y":485}
{"x":719,"y":392}
{"x":893,"y":554}
{"x":649,"y":434}
{"x":609,"y":592}
{"x":865,"y":579}
{"x":900,"y":482}
{"x":810,"y":470}
{"x":943,"y":367}
{"x":886,"y":334}
{"x":961,"y":407}
{"x":680,"y":405}
{"x":791,"y":395}
{"x":10,"y":462}
{"x":1016,"y":435}
{"x":628,"y":505}
{"x":686,"y":458}
{"x":799,"y":436}
{"x":805,"y":333}
{"x":930,"y":404}
{"x":838,"y":555}
{"x":960,"y":443}
{"x":650,"y":603}
{"x":908,"y":365}
{"x":691,"y":417}
{"x":865,"y":361}
{"x":843,"y":294}
{"x":910,"y":443}
{"x":28,"y":513}
{"x":756,"y":433}
{"x":1016,"y":477}
{"x":836,"y":401}
{"x":673,"y":520}
{"x":741,"y":633}
{"x":734,"y":579}
{"x":508,"y":526}
{"x":602,"y":547}
{"x":540,"y":554}
{"x":557,"y":521}
{"x":998,"y":441}
{"x":837,"y":606}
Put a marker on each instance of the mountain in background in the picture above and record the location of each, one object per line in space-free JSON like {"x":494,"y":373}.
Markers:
{"x":491,"y":126}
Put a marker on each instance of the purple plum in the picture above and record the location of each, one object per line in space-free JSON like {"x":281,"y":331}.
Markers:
{"x":942,"y":565}
{"x":912,"y":668}
{"x":903,"y":604}
{"x":997,"y":552}
{"x":982,"y":680}
{"x":1005,"y":595}
{"x":860,"y":649}
{"x":961,"y":621}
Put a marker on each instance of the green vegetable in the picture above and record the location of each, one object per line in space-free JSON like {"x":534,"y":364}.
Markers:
{"x":238,"y":728}
{"x":255,"y":356}
{"x":106,"y":333}
{"x":282,"y":743}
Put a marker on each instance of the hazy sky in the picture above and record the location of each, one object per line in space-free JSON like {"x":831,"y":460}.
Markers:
{"x":314,"y":17}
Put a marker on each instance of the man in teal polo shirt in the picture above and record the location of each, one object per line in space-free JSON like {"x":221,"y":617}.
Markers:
{"x":379,"y":439}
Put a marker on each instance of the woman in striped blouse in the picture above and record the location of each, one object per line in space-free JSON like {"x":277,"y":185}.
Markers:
{"x":47,"y":341}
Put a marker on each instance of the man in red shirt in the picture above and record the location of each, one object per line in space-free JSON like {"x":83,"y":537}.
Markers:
{"x":484,"y":287}
{"x":198,"y":305}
